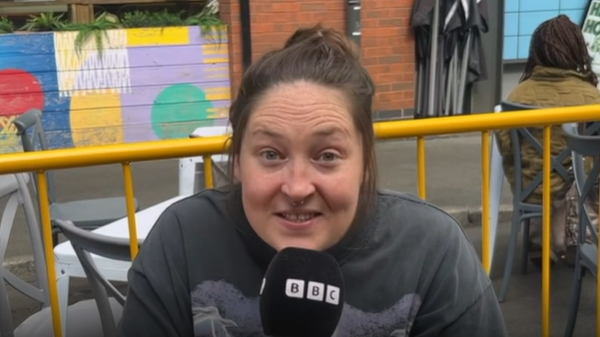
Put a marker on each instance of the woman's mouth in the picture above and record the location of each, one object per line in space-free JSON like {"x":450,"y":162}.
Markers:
{"x":298,"y":221}
{"x":298,"y":217}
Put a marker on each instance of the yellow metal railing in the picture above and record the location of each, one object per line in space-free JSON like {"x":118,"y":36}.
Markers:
{"x":125,"y":154}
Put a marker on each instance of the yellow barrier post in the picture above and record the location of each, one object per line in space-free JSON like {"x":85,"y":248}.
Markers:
{"x":421,"y":168}
{"x":208,"y":172}
{"x":130,"y":202}
{"x":546,"y":233}
{"x":485,"y":200}
{"x":49,"y":250}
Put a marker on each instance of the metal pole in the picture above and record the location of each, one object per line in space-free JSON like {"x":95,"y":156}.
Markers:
{"x":484,"y":95}
{"x":464,"y":69}
{"x":353,"y":20}
{"x":435,"y":27}
{"x":246,"y":33}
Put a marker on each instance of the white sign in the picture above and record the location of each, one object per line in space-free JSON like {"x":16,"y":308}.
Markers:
{"x":591,"y":33}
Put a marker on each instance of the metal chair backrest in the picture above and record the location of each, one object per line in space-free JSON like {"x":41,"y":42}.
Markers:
{"x":14,"y":187}
{"x":590,"y":128}
{"x":587,"y":183}
{"x":520,"y":135}
{"x":86,"y":243}
{"x":33,"y":138}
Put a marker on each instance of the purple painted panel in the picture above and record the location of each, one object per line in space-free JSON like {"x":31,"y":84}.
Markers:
{"x":152,"y":65}
{"x":137,"y":109}
{"x":139,"y":133}
{"x":208,"y":75}
{"x":151,"y":56}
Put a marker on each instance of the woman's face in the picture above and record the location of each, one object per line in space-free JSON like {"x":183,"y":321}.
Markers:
{"x":301,"y":167}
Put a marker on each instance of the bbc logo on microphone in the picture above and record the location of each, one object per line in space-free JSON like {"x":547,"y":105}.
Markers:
{"x":314,"y":291}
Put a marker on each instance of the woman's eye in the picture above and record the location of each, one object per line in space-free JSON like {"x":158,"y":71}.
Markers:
{"x":328,"y":156}
{"x":270,"y":155}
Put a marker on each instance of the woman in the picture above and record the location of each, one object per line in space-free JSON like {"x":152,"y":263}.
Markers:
{"x":304,"y":164}
{"x":558,"y":73}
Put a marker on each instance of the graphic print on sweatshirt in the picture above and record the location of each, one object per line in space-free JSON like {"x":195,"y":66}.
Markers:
{"x":221,"y":310}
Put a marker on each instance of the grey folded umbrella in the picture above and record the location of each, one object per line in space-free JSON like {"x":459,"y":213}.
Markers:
{"x":448,"y":53}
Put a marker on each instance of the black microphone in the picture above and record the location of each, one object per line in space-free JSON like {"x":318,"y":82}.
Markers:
{"x":302,"y":294}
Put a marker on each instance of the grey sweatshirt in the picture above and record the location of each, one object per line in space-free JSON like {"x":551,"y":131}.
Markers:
{"x":408,"y":270}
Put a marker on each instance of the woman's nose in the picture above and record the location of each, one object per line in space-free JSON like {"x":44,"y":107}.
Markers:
{"x":298,"y":184}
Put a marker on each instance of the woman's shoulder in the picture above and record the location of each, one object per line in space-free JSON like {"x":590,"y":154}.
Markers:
{"x":408,"y":213}
{"x":198,"y":212}
{"x":205,"y":200}
{"x":570,"y":91}
{"x":434,"y":240}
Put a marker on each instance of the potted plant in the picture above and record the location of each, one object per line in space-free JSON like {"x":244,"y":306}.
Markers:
{"x":6,"y":26}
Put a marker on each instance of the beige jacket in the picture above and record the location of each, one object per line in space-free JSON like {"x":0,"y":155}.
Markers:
{"x":547,"y":87}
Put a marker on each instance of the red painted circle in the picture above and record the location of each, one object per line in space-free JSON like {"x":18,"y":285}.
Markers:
{"x":19,"y":92}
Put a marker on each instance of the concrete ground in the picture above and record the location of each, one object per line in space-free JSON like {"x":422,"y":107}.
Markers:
{"x":453,"y":182}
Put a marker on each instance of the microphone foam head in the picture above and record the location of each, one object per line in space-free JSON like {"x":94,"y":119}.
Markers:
{"x":302,"y":294}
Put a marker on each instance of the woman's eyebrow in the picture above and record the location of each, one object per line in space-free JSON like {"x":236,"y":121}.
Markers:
{"x":331,"y":131}
{"x":266,"y":132}
{"x":319,"y":132}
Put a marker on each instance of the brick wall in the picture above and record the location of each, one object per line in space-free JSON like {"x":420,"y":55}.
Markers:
{"x":387,"y":43}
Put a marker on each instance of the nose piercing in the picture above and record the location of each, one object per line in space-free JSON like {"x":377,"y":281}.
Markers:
{"x":295,"y":204}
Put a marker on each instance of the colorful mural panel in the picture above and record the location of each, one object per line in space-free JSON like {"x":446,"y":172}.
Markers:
{"x":147,"y":84}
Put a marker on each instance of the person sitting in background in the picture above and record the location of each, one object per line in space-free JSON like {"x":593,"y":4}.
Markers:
{"x":558,"y":73}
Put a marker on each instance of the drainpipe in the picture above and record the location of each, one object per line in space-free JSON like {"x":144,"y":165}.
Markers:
{"x":353,"y":20}
{"x":246,"y":34}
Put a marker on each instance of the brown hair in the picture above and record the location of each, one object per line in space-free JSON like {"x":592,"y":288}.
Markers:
{"x":322,"y":56}
{"x":559,"y":43}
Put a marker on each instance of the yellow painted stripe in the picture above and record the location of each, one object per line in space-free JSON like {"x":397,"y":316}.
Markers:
{"x":218,"y":97}
{"x":215,"y":113}
{"x":216,"y":60}
{"x":215,"y":49}
{"x":218,"y":94}
{"x":137,"y":37}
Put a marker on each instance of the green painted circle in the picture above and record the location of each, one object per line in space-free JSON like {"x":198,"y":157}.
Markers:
{"x":178,"y":110}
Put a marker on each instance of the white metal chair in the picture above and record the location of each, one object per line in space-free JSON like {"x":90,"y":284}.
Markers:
{"x":84,"y":314}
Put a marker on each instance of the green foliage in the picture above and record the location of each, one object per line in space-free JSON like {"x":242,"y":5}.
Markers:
{"x":45,"y":22}
{"x":211,"y":26}
{"x":139,"y":19}
{"x":209,"y":23}
{"x":96,"y":30}
{"x":6,"y":26}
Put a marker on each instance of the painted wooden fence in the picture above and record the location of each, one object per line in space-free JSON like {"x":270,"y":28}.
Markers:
{"x":146,"y":84}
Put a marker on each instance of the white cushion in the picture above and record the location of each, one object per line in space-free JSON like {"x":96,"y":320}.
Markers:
{"x":83,"y":320}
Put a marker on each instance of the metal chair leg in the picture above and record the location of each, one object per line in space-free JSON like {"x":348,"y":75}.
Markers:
{"x":525,"y":246}
{"x":512,"y":243}
{"x":575,"y":295}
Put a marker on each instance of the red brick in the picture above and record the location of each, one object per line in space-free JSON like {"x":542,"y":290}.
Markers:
{"x":387,"y":42}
